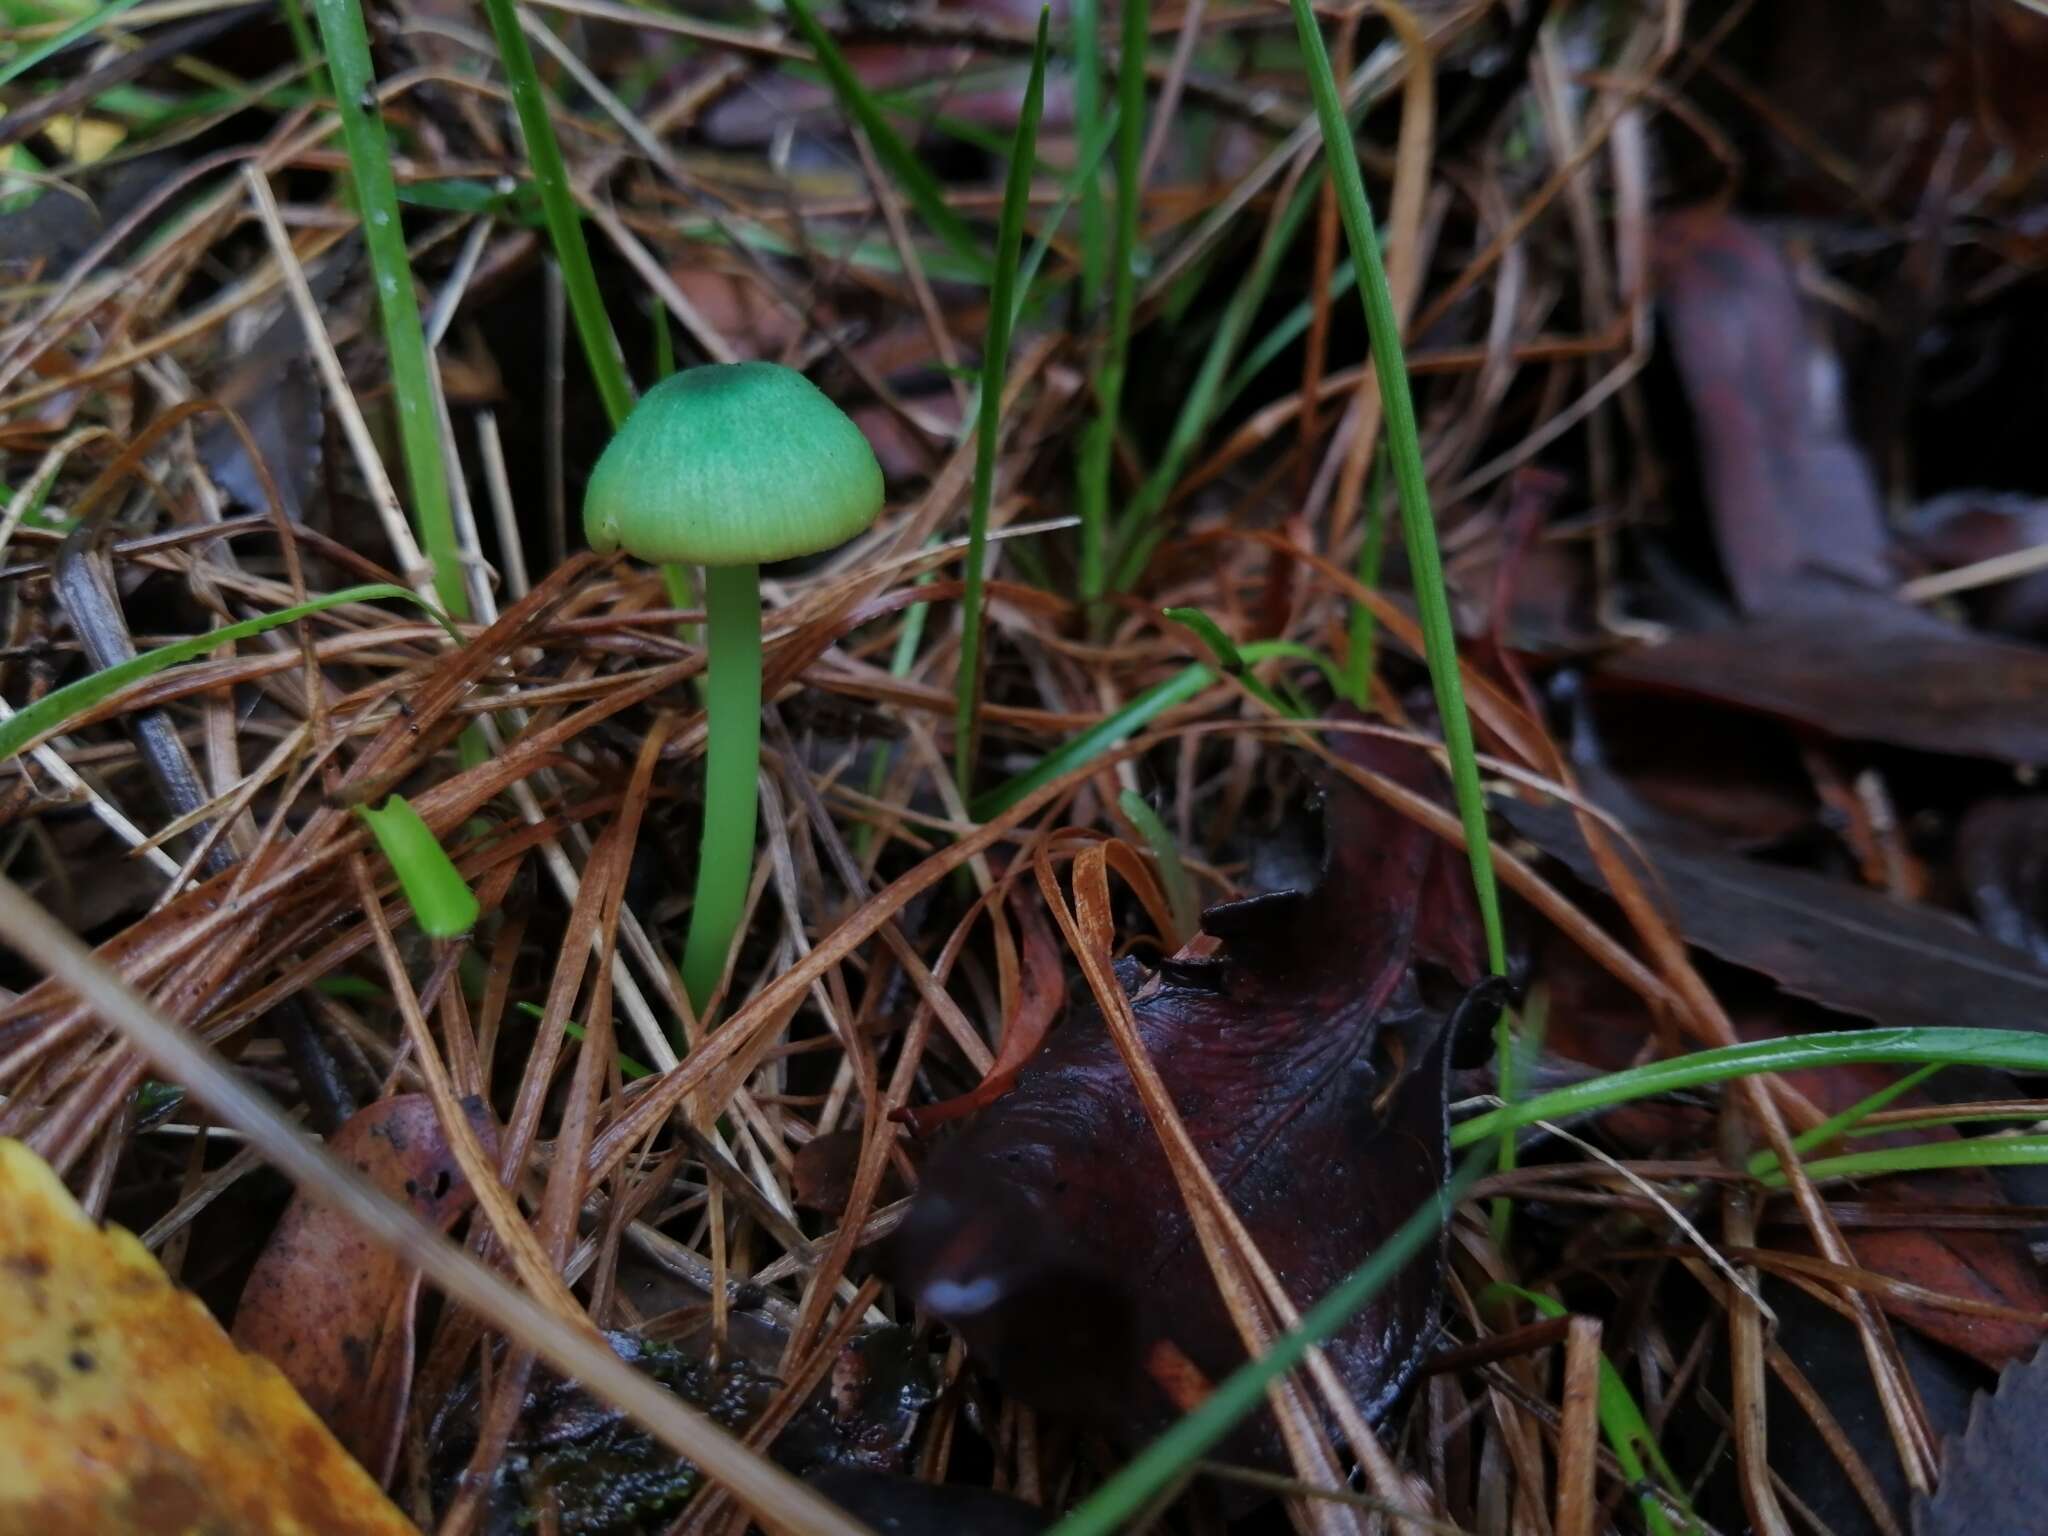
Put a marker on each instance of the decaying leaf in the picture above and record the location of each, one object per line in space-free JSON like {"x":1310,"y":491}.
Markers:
{"x":1791,"y":496}
{"x":1838,"y":944}
{"x":334,"y":1311}
{"x":1863,"y":667}
{"x":1992,"y":1478}
{"x":124,"y":1408}
{"x":1310,"y":1071}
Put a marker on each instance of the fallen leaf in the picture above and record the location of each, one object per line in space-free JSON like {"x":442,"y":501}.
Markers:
{"x":2002,"y":862}
{"x":821,"y":1174}
{"x":1964,"y":527}
{"x":1837,"y":944}
{"x":1311,"y":1074}
{"x":1790,"y":495}
{"x":123,"y":1406}
{"x":1862,"y":666}
{"x":334,"y":1311}
{"x":1991,"y":1479}
{"x":273,"y":388}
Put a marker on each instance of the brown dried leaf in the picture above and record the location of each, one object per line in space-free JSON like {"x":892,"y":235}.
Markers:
{"x":334,"y":1311}
{"x":1791,"y":495}
{"x":124,"y":1408}
{"x":1838,"y":944}
{"x":1862,"y":666}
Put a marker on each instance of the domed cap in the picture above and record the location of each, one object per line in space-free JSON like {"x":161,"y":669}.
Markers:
{"x":732,"y":464}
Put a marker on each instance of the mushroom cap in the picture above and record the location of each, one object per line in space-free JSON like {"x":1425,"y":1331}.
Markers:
{"x":732,"y":464}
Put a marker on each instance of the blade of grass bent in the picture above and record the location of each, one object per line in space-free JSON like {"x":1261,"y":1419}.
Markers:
{"x":369,"y":156}
{"x":995,"y":363}
{"x":2014,"y":1050}
{"x":1418,"y":526}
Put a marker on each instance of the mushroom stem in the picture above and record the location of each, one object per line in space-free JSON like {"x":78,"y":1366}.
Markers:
{"x":732,"y":763}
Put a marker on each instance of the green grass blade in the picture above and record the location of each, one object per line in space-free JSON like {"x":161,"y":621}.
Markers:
{"x":1132,"y":718}
{"x":1097,"y":739}
{"x":1099,"y":445}
{"x":302,"y":34}
{"x":1136,"y":531}
{"x":917,"y":184}
{"x":995,"y":362}
{"x":1280,"y":337}
{"x":99,"y":16}
{"x":1835,"y":1126}
{"x":2013,"y":1050}
{"x":1228,"y":657}
{"x":629,"y":1069}
{"x":369,"y":156}
{"x":1621,"y":1420}
{"x":1173,"y":874}
{"x":434,"y":888}
{"x":1240,"y":1393}
{"x":558,"y":204}
{"x":1086,"y":20}
{"x":1418,"y":526}
{"x":54,"y":710}
{"x":1976,"y":1152}
{"x":1364,"y":623}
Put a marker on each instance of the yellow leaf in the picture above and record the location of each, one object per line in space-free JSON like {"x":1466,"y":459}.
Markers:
{"x":125,"y":1409}
{"x":84,"y":139}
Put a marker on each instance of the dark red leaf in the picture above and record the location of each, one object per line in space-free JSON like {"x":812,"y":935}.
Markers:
{"x":1790,"y":494}
{"x":1309,"y":1071}
{"x":1862,"y":666}
{"x":333,"y":1310}
{"x":822,"y":1173}
{"x":1838,"y":944}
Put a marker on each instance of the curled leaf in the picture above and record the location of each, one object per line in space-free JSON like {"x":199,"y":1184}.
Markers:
{"x":334,"y":1311}
{"x":1308,"y":1066}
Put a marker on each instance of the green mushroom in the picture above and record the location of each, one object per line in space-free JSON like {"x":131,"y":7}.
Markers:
{"x":729,"y":466}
